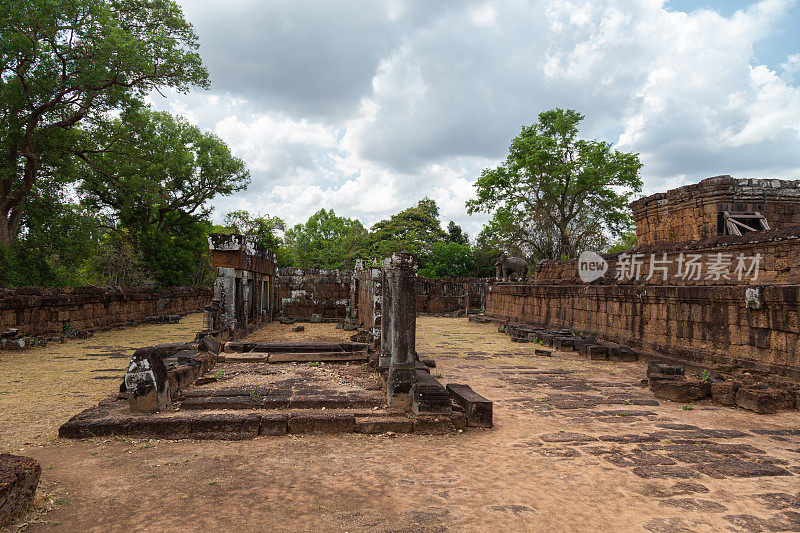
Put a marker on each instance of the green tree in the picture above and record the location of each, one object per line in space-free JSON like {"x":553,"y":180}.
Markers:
{"x":626,"y":241}
{"x":326,"y":241}
{"x":65,"y":61}
{"x":155,"y":174}
{"x":414,"y":230}
{"x":456,"y":234}
{"x":556,"y":183}
{"x":449,"y":260}
{"x":56,"y":237}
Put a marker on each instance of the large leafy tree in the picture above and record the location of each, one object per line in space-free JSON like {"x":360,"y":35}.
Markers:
{"x":449,"y":260}
{"x":156,"y":170}
{"x":154,"y":174}
{"x":456,"y":234}
{"x":326,"y":241}
{"x":553,"y":182}
{"x":65,"y":61}
{"x":414,"y":230}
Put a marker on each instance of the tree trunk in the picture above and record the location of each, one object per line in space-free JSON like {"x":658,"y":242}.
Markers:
{"x":9,"y":227}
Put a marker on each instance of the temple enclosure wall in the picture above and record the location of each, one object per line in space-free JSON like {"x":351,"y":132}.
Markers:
{"x":301,"y":293}
{"x":37,"y":311}
{"x":704,"y":325}
{"x":340,"y":294}
{"x":722,"y":317}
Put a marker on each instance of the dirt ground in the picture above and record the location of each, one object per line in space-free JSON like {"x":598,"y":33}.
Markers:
{"x":577,"y":446}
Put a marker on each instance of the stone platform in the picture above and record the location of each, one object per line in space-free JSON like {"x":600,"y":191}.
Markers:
{"x":246,"y":399}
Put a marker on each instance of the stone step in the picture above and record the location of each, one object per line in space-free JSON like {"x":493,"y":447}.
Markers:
{"x":279,"y":402}
{"x":294,"y":357}
{"x":246,"y":424}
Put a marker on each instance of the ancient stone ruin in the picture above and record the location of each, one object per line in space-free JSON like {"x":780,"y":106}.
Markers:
{"x":269,"y":388}
{"x":713,"y":287}
{"x":244,"y":284}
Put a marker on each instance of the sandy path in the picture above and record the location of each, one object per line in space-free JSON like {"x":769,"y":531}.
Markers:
{"x":550,"y":463}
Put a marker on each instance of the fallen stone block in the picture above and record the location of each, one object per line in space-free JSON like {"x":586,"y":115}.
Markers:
{"x":546,"y":339}
{"x":724,"y":392}
{"x":321,"y":423}
{"x":299,"y":328}
{"x":624,"y":354}
{"x":764,"y":401}
{"x":657,"y":367}
{"x":681,"y":390}
{"x":378,"y":425}
{"x":563,"y":343}
{"x":430,"y":363}
{"x":316,"y":318}
{"x":19,"y":477}
{"x":10,"y":333}
{"x":595,"y":352}
{"x":247,"y":358}
{"x":477,"y":409}
{"x":542,"y":352}
{"x":429,"y":396}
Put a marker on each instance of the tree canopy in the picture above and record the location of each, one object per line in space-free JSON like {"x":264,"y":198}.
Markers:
{"x":414,"y":230}
{"x":65,"y":61}
{"x":556,"y":194}
{"x":326,"y":241}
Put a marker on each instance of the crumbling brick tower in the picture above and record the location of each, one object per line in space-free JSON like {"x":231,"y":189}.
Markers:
{"x":716,"y":206}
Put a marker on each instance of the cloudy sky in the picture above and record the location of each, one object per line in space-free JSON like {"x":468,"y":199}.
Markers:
{"x":367,"y":106}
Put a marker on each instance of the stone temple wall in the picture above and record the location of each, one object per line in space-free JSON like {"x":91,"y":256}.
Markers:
{"x":39,"y":312}
{"x":748,"y":322}
{"x":692,"y":212}
{"x":448,"y":295}
{"x":705,"y":325}
{"x":301,"y":293}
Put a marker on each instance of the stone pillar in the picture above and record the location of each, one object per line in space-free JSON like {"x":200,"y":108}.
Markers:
{"x":386,"y":320}
{"x":146,"y":382}
{"x":401,"y":272}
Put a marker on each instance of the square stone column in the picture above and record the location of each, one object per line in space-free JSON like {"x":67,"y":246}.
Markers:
{"x":386,"y":319}
{"x":401,"y":278}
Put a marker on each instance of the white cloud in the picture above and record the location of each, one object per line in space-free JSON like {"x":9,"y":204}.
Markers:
{"x":409,"y":99}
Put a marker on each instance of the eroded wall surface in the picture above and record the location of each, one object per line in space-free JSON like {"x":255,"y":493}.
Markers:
{"x":37,"y":311}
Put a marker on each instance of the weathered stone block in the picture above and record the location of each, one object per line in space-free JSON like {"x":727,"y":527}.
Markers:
{"x":680,"y":390}
{"x":542,"y":352}
{"x":764,"y":401}
{"x":379,"y":424}
{"x":321,"y":423}
{"x":724,"y":392}
{"x":595,"y":352}
{"x":477,"y":408}
{"x":274,"y":424}
{"x":563,"y":343}
{"x":433,"y":425}
{"x":19,"y":477}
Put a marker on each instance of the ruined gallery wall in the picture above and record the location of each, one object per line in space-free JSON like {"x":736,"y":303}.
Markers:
{"x":339,"y":294}
{"x":691,"y":212}
{"x":301,"y":293}
{"x":753,"y":327}
{"x":37,"y":311}
{"x":448,"y":295}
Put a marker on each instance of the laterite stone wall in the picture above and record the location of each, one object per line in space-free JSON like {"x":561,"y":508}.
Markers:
{"x":37,"y":311}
